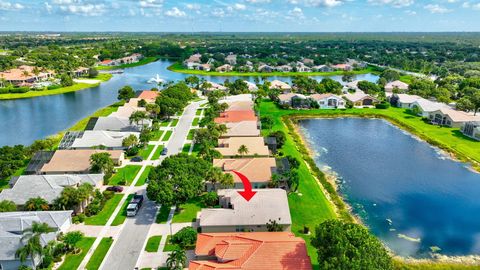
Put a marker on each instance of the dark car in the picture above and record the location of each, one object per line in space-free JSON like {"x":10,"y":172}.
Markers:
{"x":115,"y":188}
{"x":164,"y":151}
{"x":137,"y":159}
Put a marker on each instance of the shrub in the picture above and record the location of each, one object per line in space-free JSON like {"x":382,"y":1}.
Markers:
{"x":185,"y":237}
{"x":107,"y":194}
{"x":210,"y":198}
{"x":52,"y":87}
{"x":19,"y":90}
{"x":383,"y":105}
{"x":132,"y":151}
{"x":79,"y":218}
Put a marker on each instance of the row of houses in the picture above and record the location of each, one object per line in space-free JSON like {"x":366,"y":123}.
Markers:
{"x":133,"y":58}
{"x":31,"y":76}
{"x":234,"y":235}
{"x":327,"y":100}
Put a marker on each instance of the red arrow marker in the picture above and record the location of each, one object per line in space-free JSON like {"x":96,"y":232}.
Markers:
{"x":248,"y":193}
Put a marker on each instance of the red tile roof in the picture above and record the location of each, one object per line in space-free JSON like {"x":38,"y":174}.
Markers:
{"x":149,"y":95}
{"x":251,"y":251}
{"x":236,"y":116}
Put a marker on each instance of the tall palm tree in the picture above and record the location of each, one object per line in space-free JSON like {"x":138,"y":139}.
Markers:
{"x":243,"y":150}
{"x":36,"y":204}
{"x":137,"y":117}
{"x":31,"y":239}
{"x":177,"y":260}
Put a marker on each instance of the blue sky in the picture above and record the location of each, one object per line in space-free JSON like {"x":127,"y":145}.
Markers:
{"x":240,"y":15}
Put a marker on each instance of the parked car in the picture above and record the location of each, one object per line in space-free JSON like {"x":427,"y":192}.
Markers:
{"x":137,"y":159}
{"x":164,"y":151}
{"x":134,"y":205}
{"x":115,"y":188}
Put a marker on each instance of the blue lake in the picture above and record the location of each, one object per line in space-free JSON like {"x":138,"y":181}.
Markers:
{"x":410,"y":195}
{"x":25,"y":120}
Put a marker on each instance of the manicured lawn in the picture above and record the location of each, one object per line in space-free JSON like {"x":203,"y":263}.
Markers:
{"x":162,"y":216}
{"x":199,"y":112}
{"x":126,"y":173}
{"x":195,"y":121}
{"x":143,"y":178}
{"x":73,"y":261}
{"x":174,"y":123}
{"x":191,"y":134}
{"x":102,"y":217}
{"x":145,"y":152}
{"x":169,"y":246}
{"x":188,"y":211}
{"x":153,"y":243}
{"x":157,"y":134}
{"x":158,"y":152}
{"x":122,"y":214}
{"x":167,"y":136}
{"x":186,"y":148}
{"x":144,"y":61}
{"x":165,"y":123}
{"x":99,"y":254}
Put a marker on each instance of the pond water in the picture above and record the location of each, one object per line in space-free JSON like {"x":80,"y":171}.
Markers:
{"x":25,"y":120}
{"x":407,"y":192}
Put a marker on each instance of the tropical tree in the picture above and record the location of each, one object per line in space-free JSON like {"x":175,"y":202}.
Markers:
{"x":177,"y":260}
{"x":130,"y":141}
{"x":92,"y":72}
{"x":214,"y":176}
{"x":227,"y":181}
{"x":185,"y":237}
{"x":126,"y":93}
{"x":36,"y":204}
{"x":475,"y":99}
{"x":7,"y":206}
{"x":102,"y":162}
{"x":66,"y":80}
{"x":138,"y":117}
{"x":71,"y":239}
{"x":32,"y":246}
{"x":243,"y":150}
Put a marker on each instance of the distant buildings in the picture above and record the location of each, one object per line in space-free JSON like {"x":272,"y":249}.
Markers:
{"x":397,"y":86}
{"x":25,"y":75}
{"x":133,"y":58}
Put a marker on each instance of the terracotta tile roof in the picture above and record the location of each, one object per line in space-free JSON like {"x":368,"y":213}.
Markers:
{"x":256,"y":169}
{"x":251,"y":251}
{"x":236,"y":116}
{"x":149,"y":95}
{"x":24,"y":73}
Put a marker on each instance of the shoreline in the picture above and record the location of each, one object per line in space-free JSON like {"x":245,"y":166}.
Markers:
{"x":176,"y":67}
{"x":436,"y":258}
{"x":145,"y":61}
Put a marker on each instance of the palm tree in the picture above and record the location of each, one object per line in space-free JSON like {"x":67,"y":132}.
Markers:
{"x":36,"y":204}
{"x":214,"y":175}
{"x":177,"y":260}
{"x":243,"y":150}
{"x":31,"y":239}
{"x":226,"y":181}
{"x":137,"y":117}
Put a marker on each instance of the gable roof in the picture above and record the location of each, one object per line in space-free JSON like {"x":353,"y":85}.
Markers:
{"x":276,"y":84}
{"x":318,"y":97}
{"x":230,"y":146}
{"x":94,"y":138}
{"x":75,"y":160}
{"x":358,"y":96}
{"x":288,"y":97}
{"x":258,"y":170}
{"x":429,"y":106}
{"x":405,"y":98}
{"x":458,"y":116}
{"x":242,"y":129}
{"x":236,"y":116}
{"x":249,"y":250}
{"x":397,"y":84}
{"x":149,"y":95}
{"x":115,"y":123}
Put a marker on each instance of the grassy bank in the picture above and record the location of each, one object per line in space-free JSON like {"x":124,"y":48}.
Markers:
{"x":178,"y":67}
{"x":99,"y":254}
{"x":142,"y":62}
{"x":72,"y":261}
{"x":62,"y":90}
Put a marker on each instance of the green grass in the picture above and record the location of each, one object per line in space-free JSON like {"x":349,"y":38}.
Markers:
{"x":401,"y":265}
{"x":167,"y":136}
{"x":195,"y":150}
{"x":157,"y":134}
{"x":186,"y":148}
{"x":188,"y":211}
{"x":169,"y":246}
{"x":165,"y":123}
{"x":195,"y":121}
{"x":153,"y":243}
{"x":144,"y":61}
{"x":108,"y":209}
{"x":198,"y":112}
{"x":178,"y":67}
{"x":174,"y":123}
{"x":122,"y":214}
{"x":128,"y":173}
{"x":158,"y":152}
{"x":162,"y":216}
{"x":143,"y":178}
{"x":191,"y":134}
{"x":73,"y":261}
{"x":145,"y":152}
{"x":406,"y":78}
{"x":99,"y":254}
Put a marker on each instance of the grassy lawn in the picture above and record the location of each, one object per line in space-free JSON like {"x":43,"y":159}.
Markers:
{"x":157,"y":134}
{"x":162,"y":216}
{"x":73,"y":261}
{"x":177,"y":67}
{"x":188,"y":211}
{"x":126,"y":173}
{"x":102,"y":217}
{"x":186,"y":148}
{"x":167,"y":136}
{"x":169,"y":246}
{"x":143,"y":178}
{"x":165,"y":123}
{"x":191,"y":134}
{"x":122,"y":215}
{"x":153,"y":243}
{"x":195,"y":121}
{"x":174,"y":123}
{"x":144,"y":61}
{"x":99,"y":254}
{"x":158,"y":152}
{"x":145,"y":152}
{"x":199,"y":112}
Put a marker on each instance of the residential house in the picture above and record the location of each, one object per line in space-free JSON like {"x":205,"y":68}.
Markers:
{"x":121,"y":124}
{"x":37,"y":161}
{"x":242,"y":129}
{"x":231,"y":59}
{"x":293,"y":100}
{"x":230,"y":147}
{"x":235,"y":116}
{"x":12,"y":227}
{"x":302,"y":67}
{"x":322,"y":68}
{"x":240,"y":106}
{"x":397,"y":86}
{"x":249,"y":250}
{"x":48,"y":187}
{"x":308,"y":61}
{"x":224,"y":68}
{"x":214,"y":87}
{"x":251,"y":86}
{"x":126,"y":111}
{"x":25,"y":75}
{"x":80,"y":72}
{"x":284,"y":68}
{"x":149,"y":96}
{"x":345,"y":67}
{"x":192,"y":60}
{"x":235,"y":98}
{"x":360,"y":99}
{"x":276,"y":84}
{"x":352,"y":86}
{"x":134,"y":58}
{"x":204,"y":67}
{"x":265,"y":68}
{"x":239,"y":215}
{"x":77,"y":161}
{"x":258,"y":170}
{"x":111,"y":140}
{"x":424,"y":107}
{"x":108,"y":63}
{"x":402,"y":100}
{"x":452,"y":118}
{"x":329,"y":101}
{"x":472,"y":130}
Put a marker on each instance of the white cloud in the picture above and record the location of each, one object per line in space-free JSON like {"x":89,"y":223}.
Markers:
{"x":175,"y":12}
{"x":239,"y":6}
{"x":193,"y":6}
{"x":394,"y":3}
{"x":318,"y":3}
{"x":258,"y":1}
{"x":411,"y":12}
{"x":10,"y":6}
{"x":218,"y":12}
{"x":475,"y":6}
{"x":435,"y":8}
{"x":151,"y":3}
{"x":84,"y":9}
